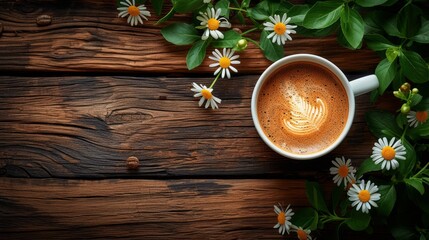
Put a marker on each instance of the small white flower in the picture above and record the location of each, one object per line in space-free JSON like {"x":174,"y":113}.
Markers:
{"x":388,"y":153}
{"x":364,"y":196}
{"x":224,"y":61}
{"x":283,"y":218}
{"x":205,"y":94}
{"x":343,"y":171}
{"x":417,"y":118}
{"x":302,"y":234}
{"x":212,"y":22}
{"x":280,"y":29}
{"x":206,"y":1}
{"x":135,"y":14}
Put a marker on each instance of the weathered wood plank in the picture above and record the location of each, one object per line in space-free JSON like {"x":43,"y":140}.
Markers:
{"x":148,"y":209}
{"x":87,"y":36}
{"x":88,"y":126}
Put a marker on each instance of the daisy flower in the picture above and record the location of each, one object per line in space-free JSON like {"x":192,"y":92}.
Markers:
{"x":302,"y":234}
{"x":388,"y":153}
{"x":212,"y":22}
{"x":364,"y":196}
{"x":205,"y":94}
{"x":224,"y":61}
{"x":283,"y":218}
{"x":417,"y":118}
{"x":135,"y":14}
{"x":343,"y":171}
{"x":280,"y":29}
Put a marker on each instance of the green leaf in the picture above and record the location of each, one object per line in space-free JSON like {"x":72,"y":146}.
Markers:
{"x":229,"y":40}
{"x":387,"y":199}
{"x":187,"y":6}
{"x":416,"y":183}
{"x":358,"y":221}
{"x":307,"y":218}
{"x":196,"y":54}
{"x":419,"y":131}
{"x":415,"y":99}
{"x":315,"y":196}
{"x":367,"y":166}
{"x":389,"y":25}
{"x":223,"y":5}
{"x":414,"y":66}
{"x":352,"y":26}
{"x":385,"y":72}
{"x":323,"y":14}
{"x":272,"y":51}
{"x":180,"y":33}
{"x":408,"y":20}
{"x":157,"y":6}
{"x":418,"y":199}
{"x":169,"y":15}
{"x":401,"y":120}
{"x":392,"y":53}
{"x":377,"y":42}
{"x":297,"y":13}
{"x":370,"y":3}
{"x":260,"y":12}
{"x":406,"y":166}
{"x":422,"y":35}
{"x":382,"y":124}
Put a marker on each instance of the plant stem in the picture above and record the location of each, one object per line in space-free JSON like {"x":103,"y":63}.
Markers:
{"x":237,"y":9}
{"x":421,"y":170}
{"x":214,"y":81}
{"x":252,"y":41}
{"x":250,"y":30}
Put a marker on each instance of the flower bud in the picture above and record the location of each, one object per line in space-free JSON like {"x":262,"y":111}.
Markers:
{"x":397,"y":94}
{"x":405,"y":109}
{"x":415,"y":90}
{"x":405,"y":88}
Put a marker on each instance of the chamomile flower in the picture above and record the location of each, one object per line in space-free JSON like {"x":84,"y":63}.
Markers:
{"x":417,"y":118}
{"x":280,"y":29}
{"x":302,"y":234}
{"x":363,"y":196}
{"x":388,"y":153}
{"x":224,"y":61}
{"x":343,"y":171}
{"x":211,"y":21}
{"x":283,"y":218}
{"x":134,"y":13}
{"x":205,"y":94}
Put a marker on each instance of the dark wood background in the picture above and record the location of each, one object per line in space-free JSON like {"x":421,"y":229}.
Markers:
{"x":81,"y":95}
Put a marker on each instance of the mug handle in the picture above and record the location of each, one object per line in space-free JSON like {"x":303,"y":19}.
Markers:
{"x":364,"y":84}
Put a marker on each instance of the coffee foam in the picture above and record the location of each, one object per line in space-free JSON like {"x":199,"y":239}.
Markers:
{"x":302,"y":108}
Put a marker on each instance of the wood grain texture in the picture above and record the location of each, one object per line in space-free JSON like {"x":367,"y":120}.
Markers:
{"x":87,"y":127}
{"x":148,"y":209}
{"x":87,"y":36}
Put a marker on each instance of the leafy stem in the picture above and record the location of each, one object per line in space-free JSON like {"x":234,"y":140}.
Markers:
{"x":252,"y":41}
{"x":421,"y":171}
{"x":215,"y":80}
{"x":237,"y":9}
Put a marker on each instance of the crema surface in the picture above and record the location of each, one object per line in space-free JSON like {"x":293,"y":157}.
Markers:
{"x":302,"y":108}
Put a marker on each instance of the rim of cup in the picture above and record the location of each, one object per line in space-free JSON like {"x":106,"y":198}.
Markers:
{"x":304,"y":58}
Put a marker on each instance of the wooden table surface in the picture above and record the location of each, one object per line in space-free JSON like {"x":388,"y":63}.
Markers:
{"x":80,"y":96}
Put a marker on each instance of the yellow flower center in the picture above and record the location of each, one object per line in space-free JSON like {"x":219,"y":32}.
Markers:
{"x":388,"y":153}
{"x":364,"y":196}
{"x":343,"y":171}
{"x":206,"y":94}
{"x":213,"y":24}
{"x":280,"y":28}
{"x":224,"y":62}
{"x":302,"y":235}
{"x":281,"y":218}
{"x":133,"y":11}
{"x":422,"y":116}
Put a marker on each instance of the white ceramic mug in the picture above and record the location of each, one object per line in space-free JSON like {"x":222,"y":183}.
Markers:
{"x":353,"y":88}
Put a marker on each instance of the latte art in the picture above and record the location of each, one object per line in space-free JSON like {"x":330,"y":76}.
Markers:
{"x":305,"y":118}
{"x":302,"y":108}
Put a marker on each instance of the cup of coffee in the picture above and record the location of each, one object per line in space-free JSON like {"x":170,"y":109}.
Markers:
{"x":303,"y":105}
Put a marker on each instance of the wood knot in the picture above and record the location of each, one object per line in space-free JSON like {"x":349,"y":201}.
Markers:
{"x":43,"y":20}
{"x":133,"y":163}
